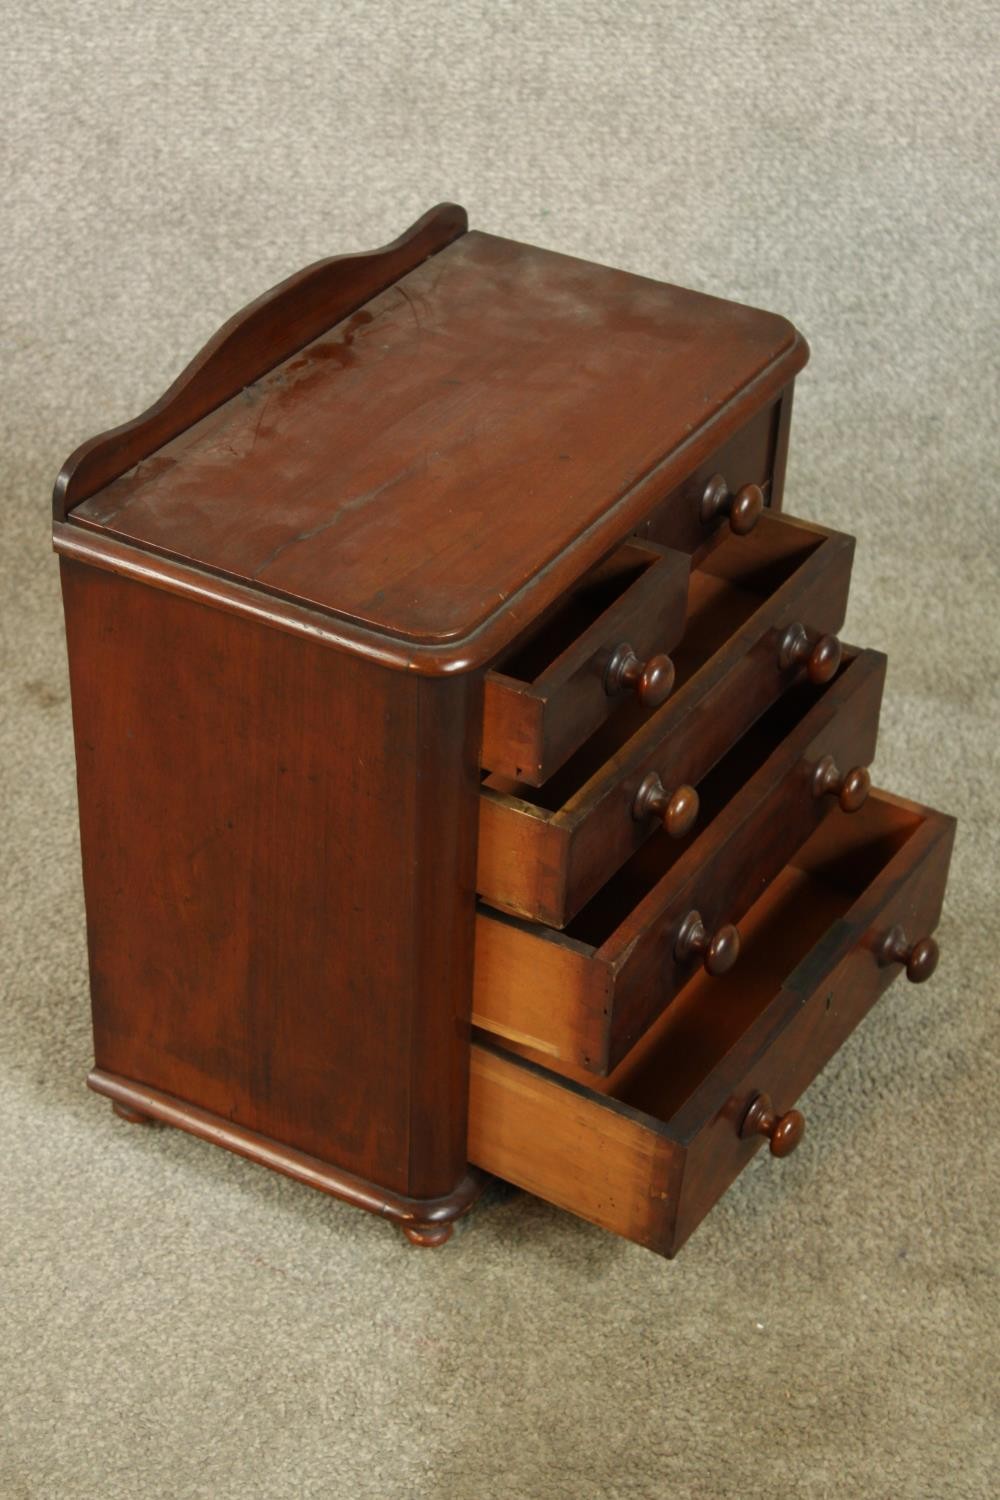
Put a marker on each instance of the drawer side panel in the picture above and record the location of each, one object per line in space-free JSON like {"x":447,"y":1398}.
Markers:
{"x":575,"y":1151}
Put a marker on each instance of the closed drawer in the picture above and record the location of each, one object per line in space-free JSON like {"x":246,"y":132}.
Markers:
{"x":605,"y":646}
{"x":649,"y":1154}
{"x":586,"y":995}
{"x":749,"y":457}
{"x":544,"y":852}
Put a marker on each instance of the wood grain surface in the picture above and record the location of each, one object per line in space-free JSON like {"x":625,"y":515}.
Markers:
{"x":271,"y":329}
{"x":497,"y":417}
{"x":279,"y":917}
{"x":588,"y":993}
{"x":544,"y":853}
{"x":649,"y":1150}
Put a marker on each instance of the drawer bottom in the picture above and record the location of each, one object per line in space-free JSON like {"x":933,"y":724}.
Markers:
{"x":647,"y":1151}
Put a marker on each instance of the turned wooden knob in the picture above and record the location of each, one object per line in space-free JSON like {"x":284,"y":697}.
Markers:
{"x":650,"y":680}
{"x":783,"y":1131}
{"x":719,"y":952}
{"x":743,"y":509}
{"x":851,"y":789}
{"x":821,"y":655}
{"x":676,"y":810}
{"x":920,"y":958}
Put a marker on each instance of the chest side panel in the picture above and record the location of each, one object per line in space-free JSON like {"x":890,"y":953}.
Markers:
{"x":278,"y":849}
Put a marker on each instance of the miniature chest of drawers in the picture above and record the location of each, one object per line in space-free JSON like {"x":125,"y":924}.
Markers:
{"x":470,"y":773}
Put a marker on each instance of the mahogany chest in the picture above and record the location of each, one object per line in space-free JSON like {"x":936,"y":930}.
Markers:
{"x":470,"y":772}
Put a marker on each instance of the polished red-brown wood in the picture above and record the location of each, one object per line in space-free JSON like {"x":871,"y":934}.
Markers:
{"x":649,"y":1150}
{"x":543,"y":382}
{"x":676,"y":811}
{"x":819,"y":653}
{"x":465,"y":539}
{"x":279,"y":919}
{"x":568,"y":674}
{"x":425,"y":1221}
{"x":742,"y":509}
{"x":782,"y":1132}
{"x":543,"y":854}
{"x":269,"y":330}
{"x":850,"y":788}
{"x":584,"y":996}
{"x":775,"y":488}
{"x":650,"y":680}
{"x":920,"y":959}
{"x":718,"y":951}
{"x":129,"y":1115}
{"x":751,"y":455}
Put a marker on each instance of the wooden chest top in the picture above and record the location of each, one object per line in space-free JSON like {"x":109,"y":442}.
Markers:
{"x":435,"y":465}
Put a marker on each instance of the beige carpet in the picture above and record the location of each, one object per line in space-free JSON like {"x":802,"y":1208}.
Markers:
{"x":178,"y":1323}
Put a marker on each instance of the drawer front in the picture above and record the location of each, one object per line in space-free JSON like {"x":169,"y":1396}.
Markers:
{"x":607,"y":645}
{"x":586,"y":996}
{"x":650,"y":1156}
{"x":543,"y":856}
{"x":750,"y":456}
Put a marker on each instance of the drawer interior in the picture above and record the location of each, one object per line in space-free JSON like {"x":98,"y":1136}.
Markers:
{"x":709,"y":1015}
{"x":596,"y":922}
{"x":649,"y":1148}
{"x":580,"y":608}
{"x":732,"y":580}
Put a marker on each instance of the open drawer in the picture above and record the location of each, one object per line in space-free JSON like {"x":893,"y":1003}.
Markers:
{"x":585,"y":996}
{"x":649,"y":1150}
{"x":603,"y":647}
{"x":545,"y":851}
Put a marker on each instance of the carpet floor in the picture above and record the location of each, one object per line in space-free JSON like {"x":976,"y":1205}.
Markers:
{"x":178,"y":1323}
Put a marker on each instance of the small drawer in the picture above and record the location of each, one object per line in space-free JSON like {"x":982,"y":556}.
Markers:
{"x":586,"y":995}
{"x":699,"y":505}
{"x":544,"y":852}
{"x":605,"y":646}
{"x":649,"y":1154}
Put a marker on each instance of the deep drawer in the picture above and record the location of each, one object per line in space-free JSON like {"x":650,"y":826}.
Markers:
{"x":586,"y":995}
{"x":602,"y":649}
{"x":544,"y":852}
{"x":650,"y":1154}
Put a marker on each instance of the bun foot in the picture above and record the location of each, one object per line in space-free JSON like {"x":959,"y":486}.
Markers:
{"x":429,"y":1236}
{"x":131,"y":1116}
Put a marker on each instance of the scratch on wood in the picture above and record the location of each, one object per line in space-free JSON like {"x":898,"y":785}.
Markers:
{"x":349,"y":507}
